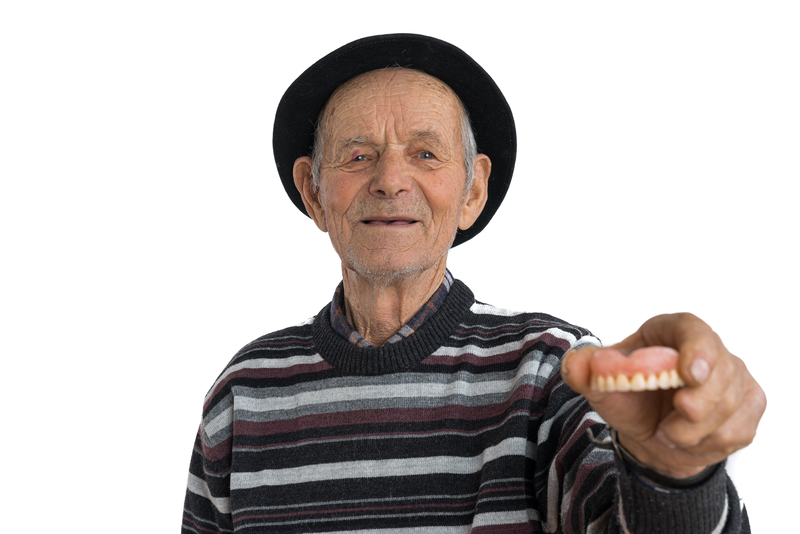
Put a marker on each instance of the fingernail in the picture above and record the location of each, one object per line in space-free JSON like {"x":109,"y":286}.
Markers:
{"x":700,"y":370}
{"x":662,"y":437}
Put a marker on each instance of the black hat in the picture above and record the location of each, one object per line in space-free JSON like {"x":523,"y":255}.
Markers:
{"x":495,"y":134}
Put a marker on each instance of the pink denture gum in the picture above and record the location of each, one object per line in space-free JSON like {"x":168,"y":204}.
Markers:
{"x":646,"y":369}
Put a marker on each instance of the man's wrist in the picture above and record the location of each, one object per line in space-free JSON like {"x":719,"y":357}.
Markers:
{"x":646,"y":473}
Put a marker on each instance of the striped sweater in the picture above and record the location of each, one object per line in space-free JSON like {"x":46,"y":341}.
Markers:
{"x":465,"y":426}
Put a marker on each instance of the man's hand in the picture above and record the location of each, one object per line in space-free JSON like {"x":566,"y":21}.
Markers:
{"x":678,"y":432}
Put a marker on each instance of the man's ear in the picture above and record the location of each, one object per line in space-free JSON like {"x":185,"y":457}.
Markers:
{"x":304,"y":182}
{"x":477,"y":194}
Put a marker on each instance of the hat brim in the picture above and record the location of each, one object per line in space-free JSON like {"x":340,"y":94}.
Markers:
{"x":490,"y":114}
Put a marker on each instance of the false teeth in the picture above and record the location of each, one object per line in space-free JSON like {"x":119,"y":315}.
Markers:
{"x":638,"y":382}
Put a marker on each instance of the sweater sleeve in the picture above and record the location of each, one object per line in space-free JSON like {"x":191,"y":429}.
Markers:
{"x":709,"y":507}
{"x":207,"y":506}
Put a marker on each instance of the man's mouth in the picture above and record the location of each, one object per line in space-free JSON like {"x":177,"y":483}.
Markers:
{"x":389,"y":221}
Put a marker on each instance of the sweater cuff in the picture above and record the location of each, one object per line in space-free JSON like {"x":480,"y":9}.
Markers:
{"x":643,"y":507}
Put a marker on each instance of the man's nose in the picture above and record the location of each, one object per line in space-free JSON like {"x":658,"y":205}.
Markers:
{"x":393,"y":175}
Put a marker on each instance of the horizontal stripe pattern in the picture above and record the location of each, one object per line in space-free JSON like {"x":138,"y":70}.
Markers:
{"x":470,"y":438}
{"x":397,"y":467}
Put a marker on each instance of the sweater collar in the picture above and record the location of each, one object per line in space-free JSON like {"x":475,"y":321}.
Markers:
{"x":406,"y":352}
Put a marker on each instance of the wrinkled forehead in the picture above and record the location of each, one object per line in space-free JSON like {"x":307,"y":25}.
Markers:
{"x":387,"y":83}
{"x":392,"y":76}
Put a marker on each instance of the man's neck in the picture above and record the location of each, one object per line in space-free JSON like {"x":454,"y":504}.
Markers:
{"x":377,"y":307}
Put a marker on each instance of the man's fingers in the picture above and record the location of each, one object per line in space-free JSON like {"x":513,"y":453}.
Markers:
{"x":719,"y":396}
{"x":701,"y":350}
{"x":736,"y":433}
{"x":701,"y":425}
{"x":575,"y":369}
{"x":669,"y":330}
{"x":689,"y":428}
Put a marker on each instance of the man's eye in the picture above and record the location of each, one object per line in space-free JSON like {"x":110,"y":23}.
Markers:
{"x":426,"y":155}
{"x":359,"y":158}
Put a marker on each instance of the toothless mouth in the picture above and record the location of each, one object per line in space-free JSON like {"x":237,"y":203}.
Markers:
{"x":389,"y":222}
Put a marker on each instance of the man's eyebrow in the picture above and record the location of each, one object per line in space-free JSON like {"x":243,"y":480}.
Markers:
{"x":427,"y":135}
{"x":354,"y":141}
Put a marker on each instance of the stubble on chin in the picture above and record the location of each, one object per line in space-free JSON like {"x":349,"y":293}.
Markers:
{"x":382,"y":267}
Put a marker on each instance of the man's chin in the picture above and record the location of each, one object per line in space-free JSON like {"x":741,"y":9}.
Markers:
{"x":389,"y":267}
{"x":386,"y":272}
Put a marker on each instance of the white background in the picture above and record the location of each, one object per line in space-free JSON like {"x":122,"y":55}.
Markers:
{"x":146,"y":237}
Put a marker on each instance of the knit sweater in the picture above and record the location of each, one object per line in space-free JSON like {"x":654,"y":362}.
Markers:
{"x":464,"y":426}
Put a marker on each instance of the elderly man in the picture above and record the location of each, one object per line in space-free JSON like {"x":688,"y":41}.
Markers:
{"x":405,"y":405}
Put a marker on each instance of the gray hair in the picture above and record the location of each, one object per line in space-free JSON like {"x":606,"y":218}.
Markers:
{"x":467,"y":142}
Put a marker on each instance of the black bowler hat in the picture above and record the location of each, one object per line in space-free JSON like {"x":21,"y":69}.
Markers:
{"x":495,"y":134}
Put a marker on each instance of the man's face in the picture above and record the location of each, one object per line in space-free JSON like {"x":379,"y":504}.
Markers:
{"x":392,"y":181}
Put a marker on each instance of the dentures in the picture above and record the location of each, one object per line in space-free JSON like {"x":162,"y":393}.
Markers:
{"x":637,"y":382}
{"x":647,"y":369}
